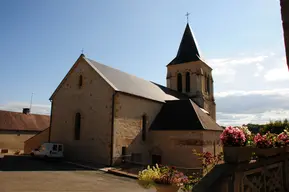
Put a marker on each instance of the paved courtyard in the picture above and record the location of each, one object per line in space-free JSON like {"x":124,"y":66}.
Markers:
{"x":24,"y":174}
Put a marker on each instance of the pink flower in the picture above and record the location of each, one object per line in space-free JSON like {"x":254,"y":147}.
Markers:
{"x":264,"y":141}
{"x":232,"y":136}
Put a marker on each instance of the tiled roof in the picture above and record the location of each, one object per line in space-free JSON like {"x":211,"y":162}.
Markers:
{"x":188,"y":49}
{"x":183,"y":115}
{"x":23,"y":122}
{"x":131,"y":84}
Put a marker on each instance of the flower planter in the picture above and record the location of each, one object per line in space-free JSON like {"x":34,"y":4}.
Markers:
{"x":269,"y":152}
{"x":286,"y":149}
{"x":145,"y":184}
{"x":237,"y":154}
{"x":166,"y":188}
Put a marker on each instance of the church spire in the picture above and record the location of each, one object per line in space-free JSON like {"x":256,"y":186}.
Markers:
{"x":188,"y":49}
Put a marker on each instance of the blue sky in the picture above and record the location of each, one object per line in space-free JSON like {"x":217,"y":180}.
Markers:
{"x":241,"y":40}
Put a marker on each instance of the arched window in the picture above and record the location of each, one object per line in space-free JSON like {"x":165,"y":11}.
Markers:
{"x":188,"y":84}
{"x":180,"y":83}
{"x":144,"y":125}
{"x":80,"y":81}
{"x":208,"y":84}
{"x":77,"y":125}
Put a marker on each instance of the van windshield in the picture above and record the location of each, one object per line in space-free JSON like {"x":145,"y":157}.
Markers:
{"x":39,"y":147}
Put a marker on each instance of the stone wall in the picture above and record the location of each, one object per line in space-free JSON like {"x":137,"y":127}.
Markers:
{"x":176,"y":147}
{"x":36,"y":141}
{"x":14,"y":140}
{"x":212,"y":142}
{"x":198,"y":70}
{"x":128,"y":123}
{"x":94,"y":102}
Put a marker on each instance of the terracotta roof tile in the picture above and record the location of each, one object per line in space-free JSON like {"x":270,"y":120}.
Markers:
{"x":23,"y":122}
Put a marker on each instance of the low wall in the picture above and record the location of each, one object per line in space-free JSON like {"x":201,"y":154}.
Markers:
{"x":14,"y":140}
{"x":36,"y":141}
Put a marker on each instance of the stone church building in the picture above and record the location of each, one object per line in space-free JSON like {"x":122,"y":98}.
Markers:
{"x":101,"y":114}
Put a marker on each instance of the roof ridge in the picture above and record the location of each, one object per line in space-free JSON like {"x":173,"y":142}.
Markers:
{"x":1,"y":110}
{"x":197,"y":111}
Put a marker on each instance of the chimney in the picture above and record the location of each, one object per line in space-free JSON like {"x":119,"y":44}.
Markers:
{"x":26,"y":111}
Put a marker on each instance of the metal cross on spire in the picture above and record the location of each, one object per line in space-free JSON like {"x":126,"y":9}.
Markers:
{"x":187,"y":15}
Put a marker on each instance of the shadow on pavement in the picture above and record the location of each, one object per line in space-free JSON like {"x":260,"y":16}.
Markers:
{"x":27,"y":163}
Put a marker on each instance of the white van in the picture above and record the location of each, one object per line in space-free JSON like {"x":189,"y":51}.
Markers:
{"x":49,"y":150}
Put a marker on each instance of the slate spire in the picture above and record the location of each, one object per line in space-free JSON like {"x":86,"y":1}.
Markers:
{"x":188,"y":49}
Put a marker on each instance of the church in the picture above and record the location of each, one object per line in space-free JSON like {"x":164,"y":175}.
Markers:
{"x":102,"y":114}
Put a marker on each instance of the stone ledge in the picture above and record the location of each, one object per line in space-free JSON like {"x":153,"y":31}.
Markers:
{"x":122,"y":173}
{"x":110,"y":170}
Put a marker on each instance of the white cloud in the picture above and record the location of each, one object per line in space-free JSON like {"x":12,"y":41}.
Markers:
{"x":281,"y":92}
{"x":225,"y":69}
{"x":260,"y":68}
{"x":227,"y":119}
{"x":230,"y":62}
{"x":277,"y":74}
{"x":18,"y":106}
{"x":280,"y":73}
{"x":238,"y":107}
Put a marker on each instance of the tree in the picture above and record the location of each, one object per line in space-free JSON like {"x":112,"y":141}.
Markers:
{"x":275,"y":126}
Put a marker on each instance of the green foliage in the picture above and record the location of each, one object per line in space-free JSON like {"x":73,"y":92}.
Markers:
{"x":147,"y":176}
{"x":209,"y":161}
{"x":273,"y":127}
{"x":163,"y":175}
{"x":254,"y":128}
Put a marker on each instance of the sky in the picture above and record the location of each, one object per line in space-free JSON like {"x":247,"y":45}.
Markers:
{"x":241,"y":40}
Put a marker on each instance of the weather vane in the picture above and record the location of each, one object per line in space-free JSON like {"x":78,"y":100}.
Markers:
{"x":82,"y":51}
{"x":187,"y":15}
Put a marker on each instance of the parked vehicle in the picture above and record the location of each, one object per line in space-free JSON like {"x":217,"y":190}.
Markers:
{"x":49,"y":150}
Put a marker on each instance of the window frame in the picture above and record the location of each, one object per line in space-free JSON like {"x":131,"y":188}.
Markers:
{"x":188,"y":82}
{"x":144,"y":126}
{"x":179,"y":82}
{"x":77,"y":126}
{"x":54,"y":147}
{"x":80,"y":81}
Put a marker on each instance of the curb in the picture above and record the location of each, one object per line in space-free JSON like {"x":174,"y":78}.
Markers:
{"x":106,"y":170}
{"x":122,"y":174}
{"x":84,"y":166}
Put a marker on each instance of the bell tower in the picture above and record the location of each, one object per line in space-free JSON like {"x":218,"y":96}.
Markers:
{"x":189,"y":74}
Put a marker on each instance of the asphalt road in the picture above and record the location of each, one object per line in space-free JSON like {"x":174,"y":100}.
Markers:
{"x":23,"y":174}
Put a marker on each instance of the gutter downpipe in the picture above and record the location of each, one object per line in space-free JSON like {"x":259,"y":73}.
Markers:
{"x":112,"y":128}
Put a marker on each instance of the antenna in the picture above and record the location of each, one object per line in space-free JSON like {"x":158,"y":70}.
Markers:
{"x":31,"y":101}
